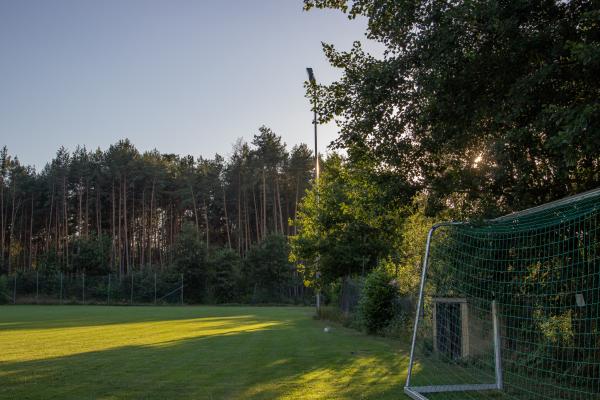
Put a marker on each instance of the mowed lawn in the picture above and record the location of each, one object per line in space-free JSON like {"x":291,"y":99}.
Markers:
{"x":96,"y":352}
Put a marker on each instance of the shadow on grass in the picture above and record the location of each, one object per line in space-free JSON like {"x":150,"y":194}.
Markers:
{"x":291,"y":359}
{"x":67,"y":316}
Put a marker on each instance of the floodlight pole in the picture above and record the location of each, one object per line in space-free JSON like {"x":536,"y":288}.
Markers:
{"x":313,"y":84}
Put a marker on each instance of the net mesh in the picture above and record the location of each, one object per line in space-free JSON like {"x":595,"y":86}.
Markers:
{"x":540,"y":270}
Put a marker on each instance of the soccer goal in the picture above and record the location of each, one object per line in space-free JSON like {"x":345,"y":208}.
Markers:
{"x":510,"y":308}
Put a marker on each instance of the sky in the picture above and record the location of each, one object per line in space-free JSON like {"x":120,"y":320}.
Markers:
{"x":184,"y":77}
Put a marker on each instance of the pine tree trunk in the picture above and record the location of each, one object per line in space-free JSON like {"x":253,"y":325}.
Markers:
{"x":31,"y":233}
{"x":151,"y":227}
{"x":239,"y":215}
{"x":57,"y":240}
{"x":66,"y":211}
{"x":87,"y":209}
{"x":226,"y":219}
{"x":125,"y":226}
{"x":2,"y":222}
{"x":12,"y":227}
{"x":98,"y":216}
{"x":195,"y":210}
{"x":159,"y":244}
{"x":248,"y":231}
{"x":171,"y":232}
{"x":116,"y":229}
{"x":279,"y":206}
{"x":132,"y":250}
{"x":49,"y":229}
{"x":274,"y":208}
{"x":143,"y":238}
{"x":256,"y":215}
{"x":296,"y":204}
{"x":264,"y":205}
{"x":80,"y":214}
{"x":206,"y":222}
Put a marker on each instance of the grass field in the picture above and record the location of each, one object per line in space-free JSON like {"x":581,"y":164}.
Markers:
{"x":95,"y":352}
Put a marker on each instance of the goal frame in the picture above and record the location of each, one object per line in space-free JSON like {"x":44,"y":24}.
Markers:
{"x":418,"y":392}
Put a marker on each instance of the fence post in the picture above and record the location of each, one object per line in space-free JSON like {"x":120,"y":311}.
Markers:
{"x":37,"y":286}
{"x":61,"y":287}
{"x":155,"y":288}
{"x":15,"y":290}
{"x":83,"y":289}
{"x":131,"y":299}
{"x":181,"y":289}
{"x":108,"y":291}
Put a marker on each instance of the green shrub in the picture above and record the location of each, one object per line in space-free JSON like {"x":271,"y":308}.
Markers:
{"x":4,"y":292}
{"x":376,"y":306}
{"x":267,"y":270}
{"x":399,"y":326}
{"x":225,"y":275}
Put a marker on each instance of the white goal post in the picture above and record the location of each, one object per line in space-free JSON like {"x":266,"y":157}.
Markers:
{"x":418,"y":392}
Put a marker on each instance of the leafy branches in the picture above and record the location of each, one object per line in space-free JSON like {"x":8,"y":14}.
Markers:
{"x":493,"y":103}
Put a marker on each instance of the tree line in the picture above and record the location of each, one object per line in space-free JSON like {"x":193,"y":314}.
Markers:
{"x":121,"y":210}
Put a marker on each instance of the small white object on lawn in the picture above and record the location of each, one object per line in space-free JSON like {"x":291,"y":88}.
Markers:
{"x":326,"y":329}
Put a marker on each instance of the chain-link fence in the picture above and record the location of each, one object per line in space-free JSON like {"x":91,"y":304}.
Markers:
{"x":61,"y":288}
{"x":349,"y":294}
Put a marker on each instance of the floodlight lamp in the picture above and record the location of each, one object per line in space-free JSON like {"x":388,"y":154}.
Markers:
{"x":311,"y":76}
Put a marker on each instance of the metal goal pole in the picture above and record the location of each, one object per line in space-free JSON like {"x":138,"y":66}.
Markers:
{"x":417,"y":392}
{"x":421,"y":292}
{"x":497,"y":348}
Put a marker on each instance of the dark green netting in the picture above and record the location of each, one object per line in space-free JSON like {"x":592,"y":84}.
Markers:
{"x":542,"y":269}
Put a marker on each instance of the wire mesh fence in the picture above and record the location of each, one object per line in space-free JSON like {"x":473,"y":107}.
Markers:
{"x":59,"y":288}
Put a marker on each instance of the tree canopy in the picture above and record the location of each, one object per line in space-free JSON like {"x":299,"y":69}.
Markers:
{"x":489,"y":105}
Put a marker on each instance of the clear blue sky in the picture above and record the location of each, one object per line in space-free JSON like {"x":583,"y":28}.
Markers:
{"x":187,"y":77}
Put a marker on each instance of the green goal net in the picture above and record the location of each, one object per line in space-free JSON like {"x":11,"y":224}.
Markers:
{"x":510,"y":308}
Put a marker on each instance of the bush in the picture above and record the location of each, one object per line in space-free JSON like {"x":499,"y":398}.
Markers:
{"x":91,"y":255}
{"x":190,"y":259}
{"x":225,"y":273}
{"x":377,"y":304}
{"x":4,"y":292}
{"x":267,"y":270}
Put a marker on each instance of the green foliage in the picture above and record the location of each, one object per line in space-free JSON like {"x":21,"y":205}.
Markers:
{"x":225,"y":275}
{"x":91,"y":255}
{"x":348,"y":221}
{"x":376,"y":306}
{"x":49,"y":262}
{"x":4,"y":291}
{"x":190,"y":260}
{"x":267,"y":268}
{"x":489,"y":106}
